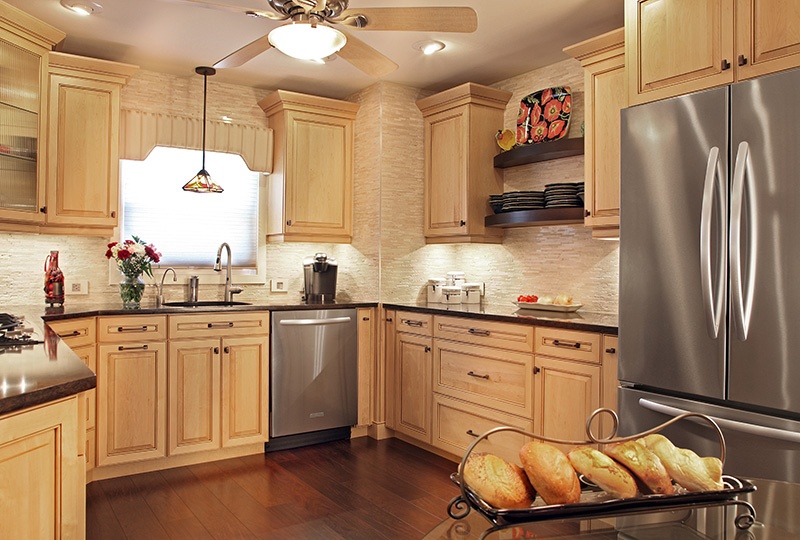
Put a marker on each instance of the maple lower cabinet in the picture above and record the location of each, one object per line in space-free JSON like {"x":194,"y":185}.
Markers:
{"x":311,"y":184}
{"x":41,"y":472}
{"x":368,"y":368}
{"x":674,"y":47}
{"x":218,"y":380}
{"x":413,"y":359}
{"x":460,"y":125}
{"x":606,"y":94}
{"x":80,"y":335}
{"x":131,"y":388}
{"x":83,"y":134}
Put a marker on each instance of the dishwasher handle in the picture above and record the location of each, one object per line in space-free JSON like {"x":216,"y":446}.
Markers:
{"x":315,"y":322}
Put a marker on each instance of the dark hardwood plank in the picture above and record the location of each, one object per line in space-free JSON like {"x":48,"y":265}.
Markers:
{"x":346,"y":490}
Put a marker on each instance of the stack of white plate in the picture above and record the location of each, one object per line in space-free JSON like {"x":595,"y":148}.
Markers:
{"x":563,"y":195}
{"x":523,"y":200}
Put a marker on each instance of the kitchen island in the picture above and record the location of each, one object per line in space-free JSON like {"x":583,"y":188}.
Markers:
{"x":41,"y":449}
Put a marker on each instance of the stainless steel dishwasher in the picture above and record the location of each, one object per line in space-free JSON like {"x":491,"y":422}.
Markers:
{"x":313,"y":376}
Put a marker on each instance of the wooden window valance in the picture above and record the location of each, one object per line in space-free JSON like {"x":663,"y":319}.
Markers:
{"x":140,"y":132}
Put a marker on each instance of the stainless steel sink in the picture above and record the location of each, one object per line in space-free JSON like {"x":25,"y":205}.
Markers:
{"x":213,"y":303}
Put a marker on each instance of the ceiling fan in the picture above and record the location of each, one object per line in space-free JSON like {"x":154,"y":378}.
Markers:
{"x":312,"y":18}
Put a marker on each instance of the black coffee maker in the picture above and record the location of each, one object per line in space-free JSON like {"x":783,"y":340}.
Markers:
{"x":319,"y":272}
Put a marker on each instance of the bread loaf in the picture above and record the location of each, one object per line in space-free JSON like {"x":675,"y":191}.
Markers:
{"x":603,"y":471}
{"x":498,"y":482}
{"x":644,"y":464}
{"x":550,"y":473}
{"x":684,"y":466}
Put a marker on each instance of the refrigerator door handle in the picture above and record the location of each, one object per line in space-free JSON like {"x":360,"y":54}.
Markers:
{"x":733,"y":425}
{"x":712,"y":299}
{"x":742,"y":308}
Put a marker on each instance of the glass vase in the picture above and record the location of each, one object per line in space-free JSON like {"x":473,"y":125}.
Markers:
{"x":131,"y":289}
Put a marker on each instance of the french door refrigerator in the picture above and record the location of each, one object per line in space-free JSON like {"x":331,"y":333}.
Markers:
{"x":709,"y":314}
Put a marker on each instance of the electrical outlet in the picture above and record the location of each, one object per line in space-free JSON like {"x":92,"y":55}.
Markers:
{"x":80,"y":286}
{"x":279,"y":285}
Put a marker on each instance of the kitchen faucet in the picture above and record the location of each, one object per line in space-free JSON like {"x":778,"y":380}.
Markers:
{"x":229,"y":291}
{"x":160,"y":297}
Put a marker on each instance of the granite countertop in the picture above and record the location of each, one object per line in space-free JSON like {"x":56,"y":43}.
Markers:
{"x":605,"y":323}
{"x":40,"y":373}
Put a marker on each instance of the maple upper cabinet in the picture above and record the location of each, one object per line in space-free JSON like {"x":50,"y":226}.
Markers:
{"x":460,"y":127}
{"x":606,"y":94}
{"x":83,"y":133}
{"x":311,"y":184}
{"x":674,"y":47}
{"x":24,"y":45}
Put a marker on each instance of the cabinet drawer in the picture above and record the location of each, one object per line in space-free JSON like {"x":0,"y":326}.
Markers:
{"x":515,"y":337}
{"x":414,"y":323}
{"x":132,"y":328}
{"x":219,"y":324}
{"x":569,"y":344}
{"x":75,"y":332}
{"x":499,"y":379}
{"x":455,"y":422}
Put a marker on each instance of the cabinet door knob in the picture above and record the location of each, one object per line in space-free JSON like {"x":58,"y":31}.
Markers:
{"x":289,"y":222}
{"x":388,"y":319}
{"x":216,"y":350}
{"x":725,"y":65}
{"x":536,"y":369}
{"x":462,"y":222}
{"x":742,"y":60}
{"x":427,"y":349}
{"x":114,"y":214}
{"x":586,"y":213}
{"x":43,"y":209}
{"x":611,"y":350}
{"x":226,"y":350}
{"x":364,"y":318}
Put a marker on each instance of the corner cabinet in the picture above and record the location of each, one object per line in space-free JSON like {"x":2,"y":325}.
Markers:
{"x":311,"y":185}
{"x":460,"y":125}
{"x":24,"y":45}
{"x":679,"y":46}
{"x":83,"y":134}
{"x":606,"y":94}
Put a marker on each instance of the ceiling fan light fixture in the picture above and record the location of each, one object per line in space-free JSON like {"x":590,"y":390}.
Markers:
{"x":307,"y":41}
{"x":428,"y":46}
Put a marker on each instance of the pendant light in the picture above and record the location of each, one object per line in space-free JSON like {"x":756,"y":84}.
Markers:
{"x":202,"y":183}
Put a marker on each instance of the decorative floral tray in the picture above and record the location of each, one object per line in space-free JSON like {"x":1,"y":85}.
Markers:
{"x":596,"y":503}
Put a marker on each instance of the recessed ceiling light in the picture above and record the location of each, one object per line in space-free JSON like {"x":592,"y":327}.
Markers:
{"x":429,"y":46}
{"x":82,"y":7}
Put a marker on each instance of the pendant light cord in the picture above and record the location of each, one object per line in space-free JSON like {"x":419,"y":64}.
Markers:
{"x":205,"y":96}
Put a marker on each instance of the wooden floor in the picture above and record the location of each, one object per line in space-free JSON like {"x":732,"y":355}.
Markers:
{"x":357,"y":489}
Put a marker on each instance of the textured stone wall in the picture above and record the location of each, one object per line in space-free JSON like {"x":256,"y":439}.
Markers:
{"x":388,"y":259}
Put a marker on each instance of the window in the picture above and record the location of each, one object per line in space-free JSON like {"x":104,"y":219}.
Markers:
{"x":188,"y":228}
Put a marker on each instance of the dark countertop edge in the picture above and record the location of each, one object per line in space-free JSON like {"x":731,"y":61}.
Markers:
{"x":47,"y":395}
{"x":568,"y":324}
{"x":102,"y":311}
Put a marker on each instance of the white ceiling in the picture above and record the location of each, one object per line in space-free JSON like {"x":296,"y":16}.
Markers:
{"x":513,"y":37}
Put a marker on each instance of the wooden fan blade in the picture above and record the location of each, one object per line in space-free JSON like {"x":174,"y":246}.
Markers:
{"x":245,"y":54}
{"x":420,"y":19}
{"x":227,"y":7}
{"x":366,"y":58}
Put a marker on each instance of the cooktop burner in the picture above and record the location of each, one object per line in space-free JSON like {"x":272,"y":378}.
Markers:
{"x":13,"y":335}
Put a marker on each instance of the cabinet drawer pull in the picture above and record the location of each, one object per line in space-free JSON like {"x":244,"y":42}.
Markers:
{"x":473,"y":374}
{"x":388,"y":319}
{"x":611,"y":350}
{"x":74,"y":333}
{"x":216,"y":350}
{"x":137,"y":348}
{"x":364,"y":318}
{"x":472,"y":433}
{"x":573,"y":344}
{"x":132,"y":328}
{"x":220,"y":325}
{"x":418,"y":324}
{"x":475,"y":332}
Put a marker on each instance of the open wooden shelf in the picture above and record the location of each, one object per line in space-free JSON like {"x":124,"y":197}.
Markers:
{"x":531,"y":153}
{"x":536,"y":218}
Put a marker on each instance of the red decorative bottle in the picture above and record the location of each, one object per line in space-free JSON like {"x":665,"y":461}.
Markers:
{"x":53,"y":280}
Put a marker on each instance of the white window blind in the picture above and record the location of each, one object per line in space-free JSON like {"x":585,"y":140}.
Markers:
{"x":187,"y":228}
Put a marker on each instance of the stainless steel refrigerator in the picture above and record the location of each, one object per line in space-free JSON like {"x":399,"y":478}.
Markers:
{"x":709,"y":314}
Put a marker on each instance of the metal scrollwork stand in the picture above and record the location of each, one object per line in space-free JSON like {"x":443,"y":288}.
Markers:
{"x":461,"y":505}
